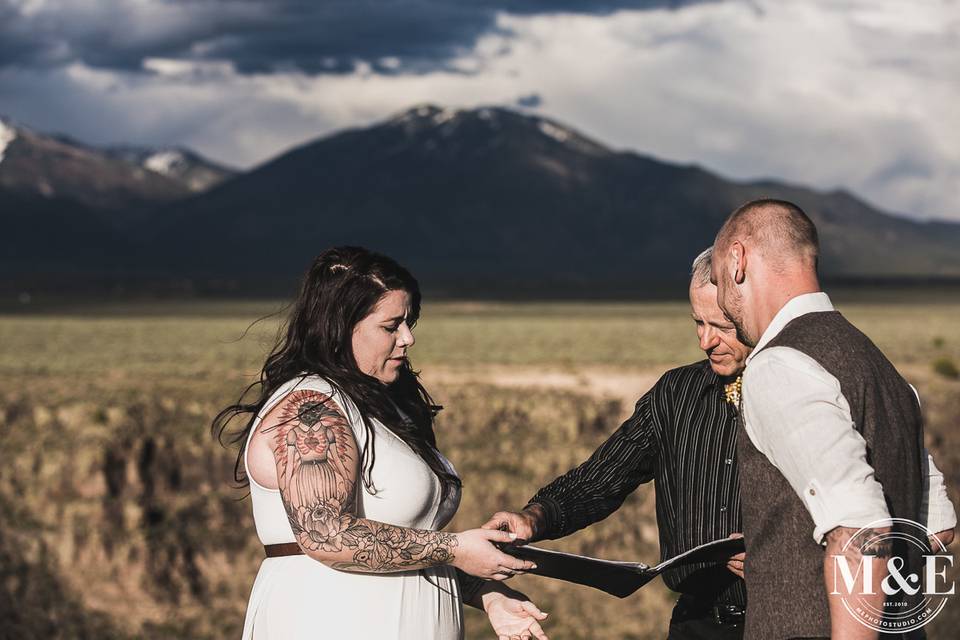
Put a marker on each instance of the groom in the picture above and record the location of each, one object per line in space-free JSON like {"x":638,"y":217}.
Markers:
{"x":831,"y":438}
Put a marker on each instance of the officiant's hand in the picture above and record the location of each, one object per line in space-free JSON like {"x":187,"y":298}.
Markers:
{"x":526,"y":524}
{"x":735,"y":563}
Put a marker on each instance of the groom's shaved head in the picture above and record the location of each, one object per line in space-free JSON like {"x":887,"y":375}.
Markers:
{"x":782,"y":232}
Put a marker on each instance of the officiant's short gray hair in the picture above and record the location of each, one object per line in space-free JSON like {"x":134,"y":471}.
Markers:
{"x":700,"y":271}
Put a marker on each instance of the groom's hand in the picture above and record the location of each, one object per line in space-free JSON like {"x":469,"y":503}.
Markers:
{"x":735,"y":563}
{"x":526,"y":524}
{"x":944,"y":537}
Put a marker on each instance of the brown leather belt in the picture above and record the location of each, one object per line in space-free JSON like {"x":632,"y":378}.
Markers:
{"x":281,"y":550}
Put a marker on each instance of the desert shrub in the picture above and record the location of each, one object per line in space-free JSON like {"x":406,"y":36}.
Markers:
{"x":946,"y":368}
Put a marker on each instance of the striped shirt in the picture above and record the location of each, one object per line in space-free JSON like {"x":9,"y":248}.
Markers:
{"x":682,"y":434}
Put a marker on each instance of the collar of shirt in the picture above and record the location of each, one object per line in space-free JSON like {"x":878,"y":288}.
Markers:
{"x":710,"y":376}
{"x":795,"y":307}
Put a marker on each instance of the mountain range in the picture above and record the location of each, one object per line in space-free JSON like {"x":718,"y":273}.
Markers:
{"x":487,"y":200}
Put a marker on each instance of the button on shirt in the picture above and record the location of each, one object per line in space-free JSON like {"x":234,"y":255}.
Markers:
{"x":796,"y":415}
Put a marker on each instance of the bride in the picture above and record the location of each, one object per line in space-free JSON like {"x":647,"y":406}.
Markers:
{"x":349,"y":492}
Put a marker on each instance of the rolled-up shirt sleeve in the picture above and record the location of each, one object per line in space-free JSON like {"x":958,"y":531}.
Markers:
{"x":936,"y":510}
{"x":796,"y":415}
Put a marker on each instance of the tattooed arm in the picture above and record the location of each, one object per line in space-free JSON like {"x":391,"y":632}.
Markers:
{"x":318,"y":461}
{"x":844,"y":625}
{"x":342,"y":471}
{"x":290,"y":452}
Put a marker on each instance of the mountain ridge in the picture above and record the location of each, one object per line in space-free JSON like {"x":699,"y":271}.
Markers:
{"x":497,"y":200}
{"x":486,"y":189}
{"x":104,"y":178}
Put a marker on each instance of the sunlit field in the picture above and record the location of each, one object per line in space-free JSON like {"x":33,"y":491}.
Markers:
{"x":117,"y":516}
{"x":187,"y":339}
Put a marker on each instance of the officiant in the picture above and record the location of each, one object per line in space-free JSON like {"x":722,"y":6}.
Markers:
{"x":682,"y":434}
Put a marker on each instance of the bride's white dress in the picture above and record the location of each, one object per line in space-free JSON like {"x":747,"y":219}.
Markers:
{"x":297,"y":598}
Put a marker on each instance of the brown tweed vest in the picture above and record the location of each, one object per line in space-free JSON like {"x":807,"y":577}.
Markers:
{"x":784,"y":566}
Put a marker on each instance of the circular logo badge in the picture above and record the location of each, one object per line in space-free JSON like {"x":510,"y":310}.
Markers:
{"x":915,"y":590}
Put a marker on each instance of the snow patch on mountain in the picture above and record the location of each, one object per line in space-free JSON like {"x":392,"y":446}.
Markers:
{"x":164,"y":162}
{"x":444,"y":115}
{"x":557,"y":133}
{"x":7,"y":135}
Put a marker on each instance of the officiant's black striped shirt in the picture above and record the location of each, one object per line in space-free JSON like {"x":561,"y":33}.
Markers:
{"x":682,"y":435}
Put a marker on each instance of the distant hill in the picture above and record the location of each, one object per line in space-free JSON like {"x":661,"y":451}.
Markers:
{"x":109,"y":179}
{"x":70,"y":208}
{"x":60,"y":168}
{"x":182,"y":165}
{"x":493,"y":201}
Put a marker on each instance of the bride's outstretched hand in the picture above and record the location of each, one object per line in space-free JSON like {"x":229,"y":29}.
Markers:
{"x":513,"y":616}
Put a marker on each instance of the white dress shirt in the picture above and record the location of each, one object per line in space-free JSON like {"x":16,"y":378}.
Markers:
{"x":796,"y":415}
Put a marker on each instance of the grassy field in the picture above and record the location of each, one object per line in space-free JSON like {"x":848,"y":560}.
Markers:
{"x":117,"y":518}
{"x":187,"y":339}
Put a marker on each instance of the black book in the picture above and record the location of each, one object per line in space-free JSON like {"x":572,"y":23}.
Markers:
{"x":615,"y":577}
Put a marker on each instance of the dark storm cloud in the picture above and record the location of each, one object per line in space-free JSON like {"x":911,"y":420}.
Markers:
{"x":313,"y":36}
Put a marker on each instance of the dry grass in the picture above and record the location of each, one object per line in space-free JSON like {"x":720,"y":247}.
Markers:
{"x":116,"y":514}
{"x":195,"y":342}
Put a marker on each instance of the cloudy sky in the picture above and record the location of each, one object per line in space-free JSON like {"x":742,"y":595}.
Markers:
{"x":860,"y":94}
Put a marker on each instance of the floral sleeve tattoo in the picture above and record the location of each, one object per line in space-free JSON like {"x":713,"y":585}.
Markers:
{"x":317,"y":467}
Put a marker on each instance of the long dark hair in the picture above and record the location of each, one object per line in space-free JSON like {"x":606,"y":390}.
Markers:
{"x":341,"y":288}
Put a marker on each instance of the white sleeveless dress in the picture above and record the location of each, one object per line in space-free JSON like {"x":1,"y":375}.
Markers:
{"x":298,"y":598}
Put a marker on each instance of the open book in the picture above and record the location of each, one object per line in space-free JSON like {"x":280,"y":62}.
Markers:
{"x":617,"y":578}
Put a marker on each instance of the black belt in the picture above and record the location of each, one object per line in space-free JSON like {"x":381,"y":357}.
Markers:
{"x":690,"y":608}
